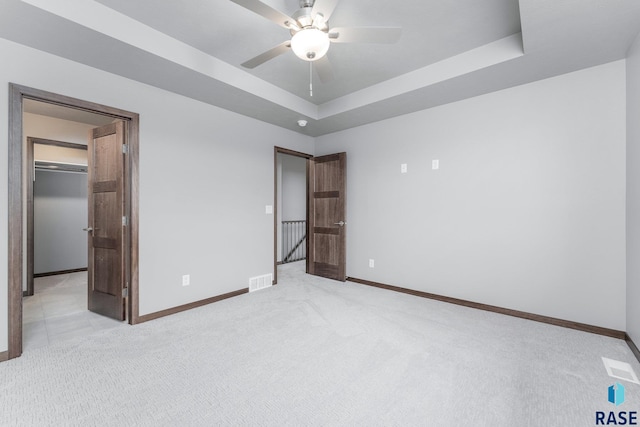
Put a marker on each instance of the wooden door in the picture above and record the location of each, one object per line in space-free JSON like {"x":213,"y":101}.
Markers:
{"x":327,"y":227}
{"x":106,"y":221}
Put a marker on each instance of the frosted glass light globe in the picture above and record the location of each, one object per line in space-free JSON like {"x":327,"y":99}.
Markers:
{"x":310,"y":44}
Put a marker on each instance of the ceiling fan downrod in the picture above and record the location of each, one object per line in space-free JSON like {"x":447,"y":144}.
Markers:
{"x":310,"y":79}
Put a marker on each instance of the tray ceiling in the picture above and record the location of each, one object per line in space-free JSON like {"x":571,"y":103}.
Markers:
{"x":448,"y":51}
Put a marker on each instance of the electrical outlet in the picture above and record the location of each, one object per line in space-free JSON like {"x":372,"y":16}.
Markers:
{"x":186,"y":280}
{"x":371,"y":263}
{"x":403,"y":168}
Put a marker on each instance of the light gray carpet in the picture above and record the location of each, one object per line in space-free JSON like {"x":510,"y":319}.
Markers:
{"x":316,"y":352}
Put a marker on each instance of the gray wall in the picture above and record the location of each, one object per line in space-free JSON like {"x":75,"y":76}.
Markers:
{"x":633,"y":192}
{"x":527,"y":210}
{"x":60,"y":213}
{"x":294,"y":188}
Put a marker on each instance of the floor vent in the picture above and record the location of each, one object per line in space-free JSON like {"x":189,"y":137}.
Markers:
{"x":260,"y":282}
{"x":621,"y":370}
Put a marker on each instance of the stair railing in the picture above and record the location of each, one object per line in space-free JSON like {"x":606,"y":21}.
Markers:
{"x":294,"y":236}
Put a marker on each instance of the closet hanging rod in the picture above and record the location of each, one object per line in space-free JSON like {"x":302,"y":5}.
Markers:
{"x":60,"y":167}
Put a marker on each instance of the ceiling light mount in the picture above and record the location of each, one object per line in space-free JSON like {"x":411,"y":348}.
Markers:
{"x":310,"y":44}
{"x":302,"y":123}
{"x":303,"y":17}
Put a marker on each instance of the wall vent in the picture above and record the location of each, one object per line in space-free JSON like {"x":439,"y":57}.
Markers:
{"x":260,"y":282}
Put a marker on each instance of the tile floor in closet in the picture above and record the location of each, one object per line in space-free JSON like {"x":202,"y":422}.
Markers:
{"x":58,"y":311}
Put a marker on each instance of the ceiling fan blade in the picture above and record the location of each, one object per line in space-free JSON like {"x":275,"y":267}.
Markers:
{"x":365,"y":35}
{"x":324,"y":7}
{"x":266,"y":56}
{"x":266,"y":11}
{"x":324,"y":69}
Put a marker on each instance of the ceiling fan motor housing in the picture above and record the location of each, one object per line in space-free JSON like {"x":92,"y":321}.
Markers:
{"x":305,"y":20}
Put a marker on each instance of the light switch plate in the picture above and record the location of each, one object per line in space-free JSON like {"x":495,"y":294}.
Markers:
{"x":435,"y":164}
{"x":403,"y":168}
{"x":268,"y":210}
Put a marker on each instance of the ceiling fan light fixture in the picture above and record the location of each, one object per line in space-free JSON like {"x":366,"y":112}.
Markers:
{"x":310,"y":44}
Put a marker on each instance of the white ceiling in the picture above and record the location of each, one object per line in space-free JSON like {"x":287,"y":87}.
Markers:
{"x":449,"y":50}
{"x":234,"y":34}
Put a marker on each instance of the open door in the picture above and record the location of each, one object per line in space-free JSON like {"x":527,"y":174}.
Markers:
{"x":326,"y":256}
{"x":106,"y":278}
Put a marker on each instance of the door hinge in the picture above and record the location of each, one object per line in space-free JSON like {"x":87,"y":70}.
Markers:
{"x":125,"y":149}
{"x":125,"y":292}
{"x":125,"y":221}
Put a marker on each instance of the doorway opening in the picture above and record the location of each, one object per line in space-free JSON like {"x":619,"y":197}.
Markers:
{"x":55,"y":304}
{"x":290,"y":214}
{"x":22,"y":102}
{"x":325,"y":212}
{"x":56,"y":197}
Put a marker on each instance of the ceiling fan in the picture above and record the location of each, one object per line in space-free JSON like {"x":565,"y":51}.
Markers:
{"x":311,"y":34}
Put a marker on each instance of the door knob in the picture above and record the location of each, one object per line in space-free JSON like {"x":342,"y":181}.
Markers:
{"x":341,"y":223}
{"x":89,"y":229}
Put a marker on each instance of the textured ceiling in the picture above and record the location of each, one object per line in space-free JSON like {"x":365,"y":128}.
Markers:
{"x":448,"y":51}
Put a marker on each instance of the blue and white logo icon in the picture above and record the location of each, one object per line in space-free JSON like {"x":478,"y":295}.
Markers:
{"x":616,"y":394}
